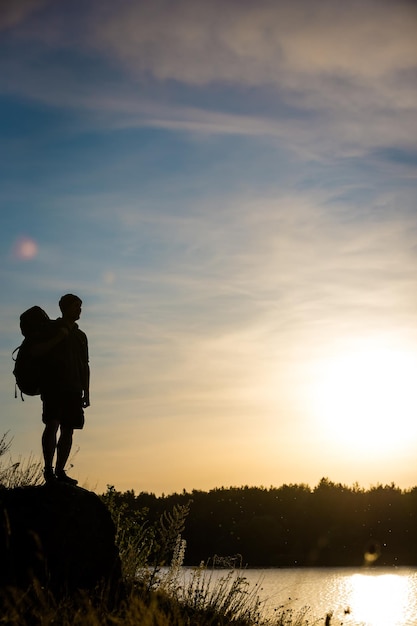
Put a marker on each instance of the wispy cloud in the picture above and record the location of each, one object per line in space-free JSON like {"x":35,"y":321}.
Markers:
{"x":347,"y":69}
{"x":280,"y":43}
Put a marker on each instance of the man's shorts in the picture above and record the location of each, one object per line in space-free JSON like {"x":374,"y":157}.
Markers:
{"x":64,"y":407}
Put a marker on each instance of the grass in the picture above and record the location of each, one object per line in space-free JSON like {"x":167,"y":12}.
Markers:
{"x":220,"y":606}
{"x":20,"y":473}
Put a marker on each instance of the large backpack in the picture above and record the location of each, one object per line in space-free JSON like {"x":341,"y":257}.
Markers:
{"x":33,"y":324}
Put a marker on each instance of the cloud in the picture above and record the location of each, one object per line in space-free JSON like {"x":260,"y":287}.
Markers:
{"x":348,"y":61}
{"x":287,"y":264}
{"x":262,"y":43}
{"x":14,"y":13}
{"x":288,"y":45}
{"x":333,"y":79}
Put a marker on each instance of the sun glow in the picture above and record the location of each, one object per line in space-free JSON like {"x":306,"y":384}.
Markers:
{"x":380,"y":600}
{"x":366,"y":397}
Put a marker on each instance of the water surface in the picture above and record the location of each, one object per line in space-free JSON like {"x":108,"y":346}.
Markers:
{"x":355,"y":597}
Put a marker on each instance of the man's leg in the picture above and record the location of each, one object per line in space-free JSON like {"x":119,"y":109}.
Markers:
{"x":49,"y":444}
{"x":63,"y":448}
{"x":48,"y":448}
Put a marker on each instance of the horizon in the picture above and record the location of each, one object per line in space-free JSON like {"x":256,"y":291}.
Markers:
{"x":231,"y":193}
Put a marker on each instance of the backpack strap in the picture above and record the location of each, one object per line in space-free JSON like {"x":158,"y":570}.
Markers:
{"x":15,"y":383}
{"x":15,"y":393}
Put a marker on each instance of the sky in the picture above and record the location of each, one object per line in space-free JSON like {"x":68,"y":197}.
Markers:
{"x":230,"y":187}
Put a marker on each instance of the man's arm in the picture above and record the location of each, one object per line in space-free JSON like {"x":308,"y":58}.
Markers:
{"x":85,"y":372}
{"x":86,"y":386}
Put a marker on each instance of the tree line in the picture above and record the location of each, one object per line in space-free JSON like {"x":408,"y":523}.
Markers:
{"x":291,"y":525}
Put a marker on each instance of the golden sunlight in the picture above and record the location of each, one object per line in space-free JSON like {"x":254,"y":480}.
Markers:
{"x":380,"y":600}
{"x":366,"y":397}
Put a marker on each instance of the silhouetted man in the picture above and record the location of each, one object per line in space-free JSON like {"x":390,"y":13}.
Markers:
{"x":65,"y":387}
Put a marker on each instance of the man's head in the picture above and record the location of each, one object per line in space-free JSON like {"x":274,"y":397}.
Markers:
{"x":70,"y":306}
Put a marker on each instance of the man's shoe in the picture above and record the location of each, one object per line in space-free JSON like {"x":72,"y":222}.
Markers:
{"x":63,"y":478}
{"x":49,"y":476}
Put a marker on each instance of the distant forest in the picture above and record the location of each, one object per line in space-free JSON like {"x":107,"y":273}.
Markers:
{"x":291,"y":525}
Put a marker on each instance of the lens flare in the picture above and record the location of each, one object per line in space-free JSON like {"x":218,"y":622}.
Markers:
{"x":109,"y":278}
{"x":25,"y":249}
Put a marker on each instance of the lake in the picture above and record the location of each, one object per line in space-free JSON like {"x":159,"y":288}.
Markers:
{"x":356,"y":597}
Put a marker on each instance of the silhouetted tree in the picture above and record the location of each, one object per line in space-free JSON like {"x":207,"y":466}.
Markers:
{"x":293,"y":525}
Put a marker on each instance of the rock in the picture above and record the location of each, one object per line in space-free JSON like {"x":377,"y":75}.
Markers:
{"x":59,"y":534}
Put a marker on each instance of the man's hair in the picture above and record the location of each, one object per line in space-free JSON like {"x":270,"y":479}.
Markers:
{"x":67,"y":300}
